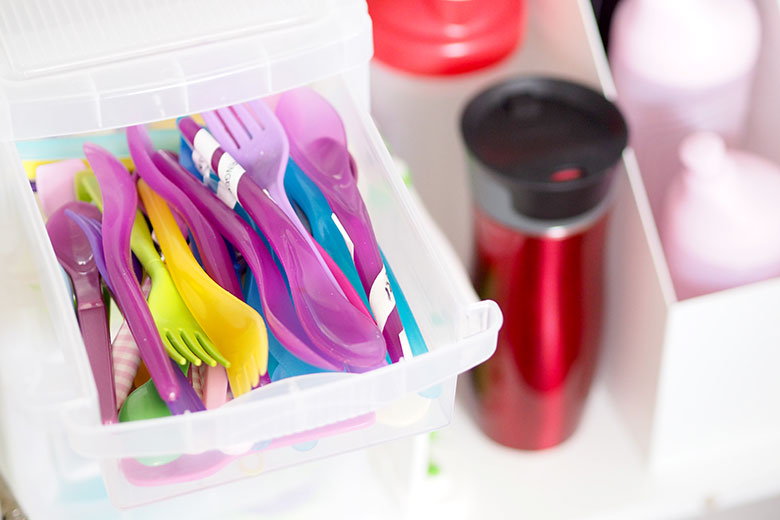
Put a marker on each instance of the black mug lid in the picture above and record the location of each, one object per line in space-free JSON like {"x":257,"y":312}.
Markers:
{"x":551,"y":143}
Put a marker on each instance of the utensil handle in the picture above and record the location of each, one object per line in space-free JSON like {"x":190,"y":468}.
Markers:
{"x":136,"y":312}
{"x":94,"y":330}
{"x":355,"y":227}
{"x":411,"y":328}
{"x":142,"y":245}
{"x":86,"y":287}
{"x":215,"y":385}
{"x":188,"y":400}
{"x":126,"y":360}
{"x":343,"y":282}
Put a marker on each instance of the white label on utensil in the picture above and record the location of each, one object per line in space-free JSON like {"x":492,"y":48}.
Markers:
{"x":381,"y":298}
{"x":230,"y":173}
{"x":202,"y":164}
{"x":226,"y":196}
{"x":350,"y":244}
{"x":205,"y":145}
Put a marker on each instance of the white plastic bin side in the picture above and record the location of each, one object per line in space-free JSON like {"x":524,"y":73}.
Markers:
{"x":692,"y":379}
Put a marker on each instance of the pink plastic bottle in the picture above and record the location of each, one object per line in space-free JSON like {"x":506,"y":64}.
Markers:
{"x":681,"y":66}
{"x":721,"y":219}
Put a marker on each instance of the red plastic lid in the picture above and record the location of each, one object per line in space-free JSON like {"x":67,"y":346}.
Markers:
{"x":444,"y":37}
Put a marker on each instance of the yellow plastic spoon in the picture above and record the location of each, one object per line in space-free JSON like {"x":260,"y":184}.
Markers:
{"x":236,"y":329}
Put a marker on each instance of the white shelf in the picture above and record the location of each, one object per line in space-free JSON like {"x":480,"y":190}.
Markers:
{"x":596,"y":475}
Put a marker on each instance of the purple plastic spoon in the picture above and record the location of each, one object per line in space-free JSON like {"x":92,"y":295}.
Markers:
{"x":188,"y":401}
{"x":212,"y":249}
{"x":335,"y":326}
{"x":318,"y":144}
{"x":93,"y":230}
{"x":277,"y":306}
{"x":75,"y":255}
{"x":120,"y":202}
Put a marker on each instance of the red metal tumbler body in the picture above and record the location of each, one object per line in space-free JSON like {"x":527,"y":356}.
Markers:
{"x":542,"y":159}
{"x":549,"y":287}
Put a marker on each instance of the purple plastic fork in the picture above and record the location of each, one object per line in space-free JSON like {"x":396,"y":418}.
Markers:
{"x":120,"y":202}
{"x":318,"y":144}
{"x":253,"y":136}
{"x":277,"y":306}
{"x":262,"y":150}
{"x":335,"y":326}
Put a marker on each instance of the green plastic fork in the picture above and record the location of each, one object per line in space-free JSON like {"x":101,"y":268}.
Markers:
{"x":182,"y":337}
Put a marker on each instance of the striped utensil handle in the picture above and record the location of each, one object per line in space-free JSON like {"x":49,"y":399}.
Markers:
{"x":197,"y":375}
{"x":126,"y":357}
{"x":126,"y":360}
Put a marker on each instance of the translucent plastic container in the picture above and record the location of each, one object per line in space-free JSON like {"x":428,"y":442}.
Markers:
{"x":246,"y":50}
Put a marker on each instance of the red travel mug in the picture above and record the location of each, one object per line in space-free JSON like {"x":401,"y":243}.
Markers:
{"x":542,"y":155}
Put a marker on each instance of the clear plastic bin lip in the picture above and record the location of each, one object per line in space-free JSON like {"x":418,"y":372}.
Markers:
{"x":296,"y":404}
{"x":316,"y":39}
{"x":40,"y":37}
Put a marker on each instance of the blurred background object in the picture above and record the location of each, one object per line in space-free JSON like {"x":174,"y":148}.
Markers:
{"x":679,"y":67}
{"x":603,"y":11}
{"x":721,"y":221}
{"x":430,"y":56}
{"x":9,"y":509}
